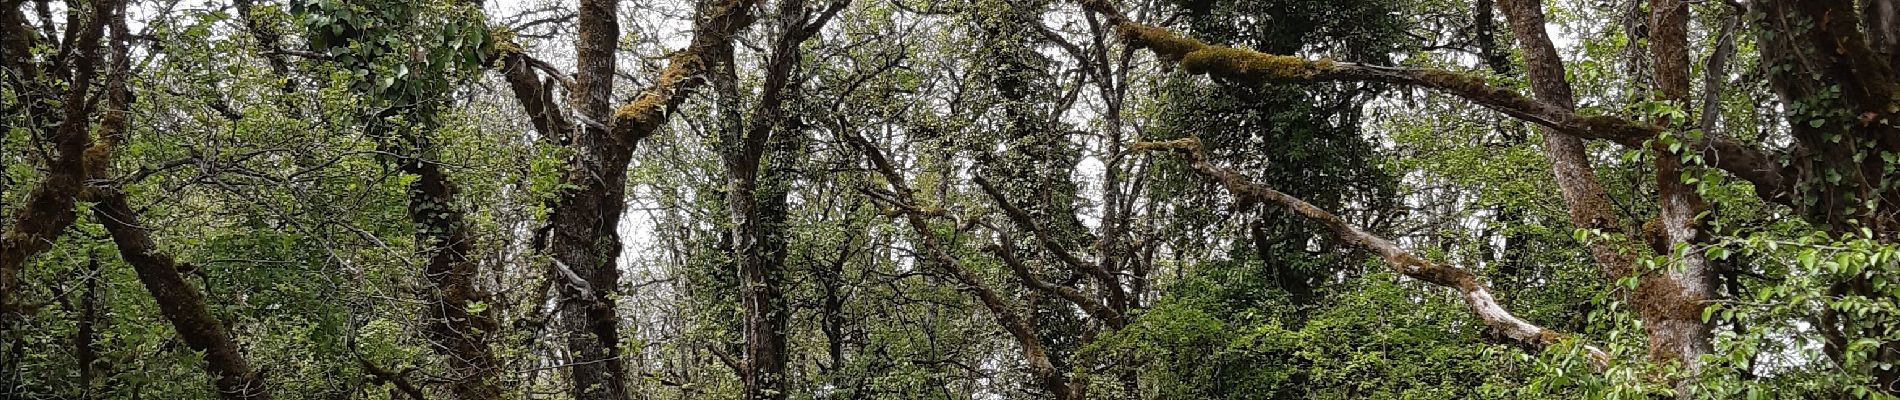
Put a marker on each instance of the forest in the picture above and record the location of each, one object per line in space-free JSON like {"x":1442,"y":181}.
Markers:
{"x":949,"y":199}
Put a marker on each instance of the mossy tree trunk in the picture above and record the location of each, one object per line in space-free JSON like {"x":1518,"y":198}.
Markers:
{"x":49,"y":208}
{"x":584,"y":241}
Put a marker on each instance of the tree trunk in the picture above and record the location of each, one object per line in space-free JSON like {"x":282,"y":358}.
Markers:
{"x":1840,"y":83}
{"x":1671,"y":304}
{"x":756,"y":200}
{"x":1882,"y":21}
{"x":1842,"y":91}
{"x":1584,"y":198}
{"x":585,"y":241}
{"x":85,"y":332}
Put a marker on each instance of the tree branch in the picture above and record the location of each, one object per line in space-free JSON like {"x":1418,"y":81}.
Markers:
{"x":1006,"y":314}
{"x":48,"y":209}
{"x":1471,"y":289}
{"x":1745,"y":162}
{"x":1006,"y":249}
{"x":1116,"y":294}
{"x":639,"y":119}
{"x":381,"y":375}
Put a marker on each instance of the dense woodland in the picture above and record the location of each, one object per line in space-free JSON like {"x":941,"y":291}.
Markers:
{"x":950,"y":199}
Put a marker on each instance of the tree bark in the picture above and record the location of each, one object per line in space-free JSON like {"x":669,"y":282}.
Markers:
{"x":458,"y":329}
{"x":756,"y":197}
{"x":758,"y":216}
{"x":1843,"y":112}
{"x":1484,"y":32}
{"x":1881,"y":18}
{"x":536,"y":98}
{"x":1584,"y":198}
{"x":1840,"y":84}
{"x":584,"y":240}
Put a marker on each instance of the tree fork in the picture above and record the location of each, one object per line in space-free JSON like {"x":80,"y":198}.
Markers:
{"x":583,"y":223}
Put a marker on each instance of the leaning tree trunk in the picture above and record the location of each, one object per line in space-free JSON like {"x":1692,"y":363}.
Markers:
{"x":178,"y":301}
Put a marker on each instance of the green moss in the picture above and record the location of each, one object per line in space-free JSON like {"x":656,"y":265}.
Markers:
{"x":1182,"y":144}
{"x":637,"y":111}
{"x":1454,"y":82}
{"x":651,"y":104}
{"x":1239,"y":63}
{"x":502,"y":42}
{"x":1619,"y":129}
{"x":1165,"y":44}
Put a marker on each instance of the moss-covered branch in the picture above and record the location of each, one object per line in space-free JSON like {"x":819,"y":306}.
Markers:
{"x":49,"y":208}
{"x":1237,"y":64}
{"x":639,"y":119}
